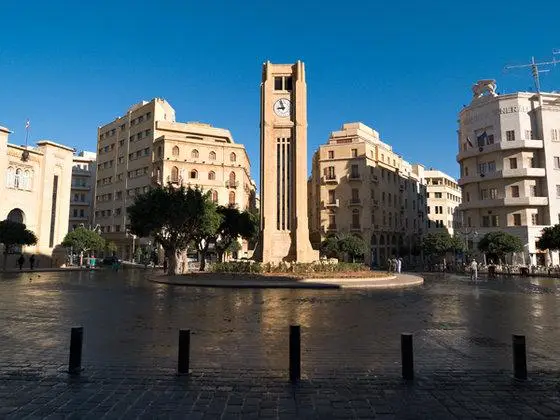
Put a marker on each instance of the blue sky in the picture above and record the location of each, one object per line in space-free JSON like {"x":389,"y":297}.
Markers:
{"x":404,"y":68}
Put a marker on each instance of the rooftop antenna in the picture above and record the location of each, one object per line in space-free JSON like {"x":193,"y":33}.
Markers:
{"x":535,"y":70}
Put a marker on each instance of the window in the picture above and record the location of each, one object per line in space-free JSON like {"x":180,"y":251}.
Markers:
{"x":513,"y":163}
{"x":211,"y":175}
{"x":332,"y":198}
{"x":493,"y":192}
{"x":194,"y":154}
{"x":332,"y":221}
{"x":515,"y":191}
{"x":437,"y":195}
{"x":355,"y":219}
{"x":535,"y":219}
{"x":232,"y":157}
{"x":516,"y":219}
{"x":232,"y":182}
{"x":510,"y":135}
{"x":557,"y":191}
{"x":494,"y":220}
{"x":533,"y":190}
{"x":490,"y":139}
{"x":278,"y":83}
{"x":556,"y":162}
{"x":492,"y":166}
{"x":554,"y":134}
{"x":212,"y":156}
{"x":175,"y":151}
{"x":231,"y":197}
{"x":283,"y":83}
{"x":329,"y":172}
{"x":354,"y":153}
{"x":214,"y":195}
{"x":159,"y":151}
{"x":331,"y":154}
{"x":17,"y":178}
{"x":354,"y":171}
{"x":483,"y":194}
{"x":193,"y":174}
{"x":174,"y":174}
{"x":355,"y":195}
{"x":485,"y":221}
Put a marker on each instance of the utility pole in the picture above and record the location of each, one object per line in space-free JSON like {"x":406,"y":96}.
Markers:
{"x":535,"y":67}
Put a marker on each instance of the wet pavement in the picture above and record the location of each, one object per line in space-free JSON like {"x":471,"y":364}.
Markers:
{"x":239,"y":349}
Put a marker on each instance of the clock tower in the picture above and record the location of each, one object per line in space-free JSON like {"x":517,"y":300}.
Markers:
{"x":284,"y":232}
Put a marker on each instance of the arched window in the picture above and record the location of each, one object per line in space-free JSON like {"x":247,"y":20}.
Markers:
{"x":211,"y":175}
{"x":390,"y":219}
{"x":16,"y":215}
{"x":10,"y":176}
{"x":194,"y":154}
{"x":175,"y":151}
{"x":174,"y":174}
{"x":17,"y":178}
{"x":233,"y":157}
{"x":25,"y":180}
{"x":373,"y":240}
{"x":212,"y":155}
{"x":214,"y":196}
{"x":29,"y":179}
{"x":232,"y":180}
{"x":231,"y":197}
{"x":194,"y":174}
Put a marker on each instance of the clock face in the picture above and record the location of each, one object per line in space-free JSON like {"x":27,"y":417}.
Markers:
{"x":282,"y":107}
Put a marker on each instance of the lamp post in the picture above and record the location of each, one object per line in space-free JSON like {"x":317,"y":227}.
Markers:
{"x":467,"y":232}
{"x":128,"y":233}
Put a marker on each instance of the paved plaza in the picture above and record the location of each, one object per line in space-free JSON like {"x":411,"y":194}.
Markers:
{"x":239,"y":349}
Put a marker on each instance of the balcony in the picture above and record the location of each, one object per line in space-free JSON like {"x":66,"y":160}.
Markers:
{"x":232,"y":184}
{"x":504,"y":145}
{"x":355,"y":228}
{"x":505,"y":173}
{"x":80,"y":187}
{"x":329,"y":179}
{"x":79,"y":203}
{"x":374,"y":178}
{"x":354,"y":177}
{"x":78,"y":217}
{"x":80,"y":171}
{"x":375,"y":203}
{"x":354,"y":202}
{"x":504,"y":201}
{"x":331,"y":203}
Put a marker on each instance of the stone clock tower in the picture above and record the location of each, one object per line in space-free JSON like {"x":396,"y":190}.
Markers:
{"x":284,"y":228}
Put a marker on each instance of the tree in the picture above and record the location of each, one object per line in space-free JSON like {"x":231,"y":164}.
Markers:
{"x":550,"y":239}
{"x":329,"y":247}
{"x":173,"y":216}
{"x":205,"y":235}
{"x":436,"y":244}
{"x":82,"y":240}
{"x":352,"y":245}
{"x":497,"y":244}
{"x":111,"y":247}
{"x":13,"y":234}
{"x":234,"y":224}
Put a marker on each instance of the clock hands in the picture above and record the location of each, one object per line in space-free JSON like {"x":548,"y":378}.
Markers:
{"x":281,"y":105}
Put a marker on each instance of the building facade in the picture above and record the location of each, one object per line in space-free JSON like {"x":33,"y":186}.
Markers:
{"x":146,"y":148}
{"x":35,"y":190}
{"x":443,"y":196}
{"x":360,"y":186}
{"x":509,"y":157}
{"x":284,"y":234}
{"x":82,"y":194}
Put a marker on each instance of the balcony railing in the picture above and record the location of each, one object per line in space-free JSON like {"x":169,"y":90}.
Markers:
{"x":329,"y":179}
{"x":355,"y":228}
{"x":331,"y":228}
{"x":232,"y":184}
{"x":354,"y":177}
{"x":354,"y":202}
{"x":331,"y":203}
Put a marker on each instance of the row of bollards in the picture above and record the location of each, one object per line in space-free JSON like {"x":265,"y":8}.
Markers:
{"x":407,"y":354}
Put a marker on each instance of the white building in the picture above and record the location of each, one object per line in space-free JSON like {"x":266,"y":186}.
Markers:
{"x":509,"y":156}
{"x":82,"y":194}
{"x":443,"y":196}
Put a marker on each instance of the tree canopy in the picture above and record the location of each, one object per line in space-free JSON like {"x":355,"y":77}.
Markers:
{"x":338,"y":246}
{"x":83,"y":240}
{"x":496,"y":245}
{"x":13,"y":234}
{"x":550,"y":239}
{"x":234,"y":224}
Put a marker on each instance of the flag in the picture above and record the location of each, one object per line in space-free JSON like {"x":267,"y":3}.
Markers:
{"x":481,"y":139}
{"x":469,"y":142}
{"x":27,"y":124}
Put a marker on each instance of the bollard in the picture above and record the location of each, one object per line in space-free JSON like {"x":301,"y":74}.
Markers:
{"x":519,"y":357}
{"x":184,"y":352}
{"x":295,"y":354}
{"x":75,"y":360}
{"x":407,"y":356}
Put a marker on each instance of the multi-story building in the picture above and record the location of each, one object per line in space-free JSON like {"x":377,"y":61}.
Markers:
{"x":82,"y":194}
{"x":146,"y":147}
{"x":509,"y":157}
{"x":443,"y":195}
{"x":359,"y":185}
{"x":35,"y":190}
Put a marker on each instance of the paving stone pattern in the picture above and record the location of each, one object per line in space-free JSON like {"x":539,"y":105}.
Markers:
{"x":350,"y":344}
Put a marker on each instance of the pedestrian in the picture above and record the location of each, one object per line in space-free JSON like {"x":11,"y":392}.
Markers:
{"x":474,"y":270}
{"x":165,"y":265}
{"x":31,"y":261}
{"x":21,"y":261}
{"x":399,"y":264}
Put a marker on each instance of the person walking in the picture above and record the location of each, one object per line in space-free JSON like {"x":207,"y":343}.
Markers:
{"x":474,"y":270}
{"x":399,"y":264}
{"x":32,"y":262}
{"x":21,"y":261}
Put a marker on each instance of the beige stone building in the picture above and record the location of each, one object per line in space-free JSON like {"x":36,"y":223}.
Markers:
{"x":35,"y":190}
{"x":443,"y":196}
{"x":509,"y":157}
{"x":284,"y":232}
{"x":360,"y":186}
{"x":147,"y":147}
{"x":82,"y":194}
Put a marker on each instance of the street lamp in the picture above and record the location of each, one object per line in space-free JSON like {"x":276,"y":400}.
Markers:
{"x":128,"y":233}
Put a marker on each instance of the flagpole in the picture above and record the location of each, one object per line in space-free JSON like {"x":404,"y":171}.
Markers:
{"x":26,"y":132}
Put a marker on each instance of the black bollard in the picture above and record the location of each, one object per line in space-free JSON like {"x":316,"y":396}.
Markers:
{"x":519,"y":357}
{"x":184,"y":352}
{"x":295,"y":354}
{"x":407,"y":356}
{"x":75,"y":360}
